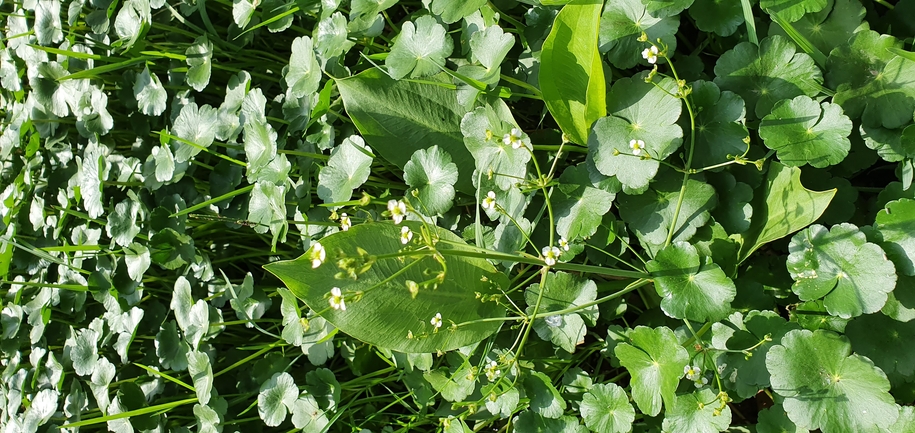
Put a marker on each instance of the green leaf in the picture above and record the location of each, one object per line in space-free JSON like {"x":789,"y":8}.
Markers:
{"x":331,"y":36}
{"x":853,"y":275}
{"x":348,"y":168}
{"x":692,"y":286}
{"x":764,"y":75}
{"x":277,"y":396}
{"x":793,"y":10}
{"x":420,"y":49}
{"x":805,"y":132}
{"x":545,"y":399}
{"x":640,"y":111}
{"x":122,"y":223}
{"x":886,"y":342}
{"x":304,"y":74}
{"x":857,"y":62}
{"x":826,"y":387}
{"x":267,"y":209}
{"x":892,"y":145}
{"x":431,"y":176}
{"x":164,"y":162}
{"x":734,"y":211}
{"x":581,"y":206}
{"x":242,"y":11}
{"x":454,"y":384}
{"x":666,"y":8}
{"x":484,"y":137}
{"x":720,"y":129}
{"x":743,"y":331}
{"x":783,"y":206}
{"x":605,"y":408}
{"x":655,"y":360}
{"x":571,"y":73}
{"x":81,"y":349}
{"x":895,"y":223}
{"x":150,"y":94}
{"x":529,"y":421}
{"x":693,"y":413}
{"x":452,"y":11}
{"x":307,"y":415}
{"x":651,"y":213}
{"x":277,"y":14}
{"x":563,"y":291}
{"x":387,"y":314}
{"x":774,"y":420}
{"x":829,"y":28}
{"x":197,"y":125}
{"x":199,"y":63}
{"x":201,"y":371}
{"x":621,"y":24}
{"x":887,"y":100}
{"x":490,"y":46}
{"x":170,"y":249}
{"x":720,"y":17}
{"x":398,"y":118}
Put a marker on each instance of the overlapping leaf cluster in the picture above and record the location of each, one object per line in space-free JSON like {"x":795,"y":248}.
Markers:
{"x":531,"y":215}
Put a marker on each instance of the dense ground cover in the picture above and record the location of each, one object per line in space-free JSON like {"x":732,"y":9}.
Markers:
{"x":392,"y":216}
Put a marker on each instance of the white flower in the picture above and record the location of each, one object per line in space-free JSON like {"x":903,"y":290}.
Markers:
{"x":437,"y":321}
{"x":513,"y":138}
{"x":636,"y":146}
{"x":550,"y":254}
{"x":336,"y":299}
{"x":564,"y":244}
{"x":406,"y":235}
{"x":317,"y":255}
{"x":345,"y":223}
{"x":489,"y":202}
{"x":650,"y":54}
{"x":398,"y":210}
{"x":492,"y":371}
{"x":692,"y":372}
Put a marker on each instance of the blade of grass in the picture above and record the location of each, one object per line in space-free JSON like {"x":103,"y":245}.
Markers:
{"x":799,"y":39}
{"x":902,"y":53}
{"x":130,"y":413}
{"x":202,"y":205}
{"x":750,"y":21}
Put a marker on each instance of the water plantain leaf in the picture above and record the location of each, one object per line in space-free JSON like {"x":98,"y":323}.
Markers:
{"x":852,"y":275}
{"x":826,"y":387}
{"x":380,"y":308}
{"x":783,"y":206}
{"x":398,"y":118}
{"x":571,"y":72}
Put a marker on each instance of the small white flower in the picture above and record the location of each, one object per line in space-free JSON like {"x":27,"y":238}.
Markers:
{"x":489,"y":202}
{"x":398,"y":210}
{"x":345,"y":222}
{"x":636,"y":146}
{"x":692,"y":372}
{"x":406,"y":235}
{"x":336,"y":299}
{"x":317,"y":255}
{"x":492,"y":371}
{"x":437,"y":321}
{"x":564,"y":244}
{"x":550,"y":254}
{"x":650,"y":54}
{"x":513,"y":138}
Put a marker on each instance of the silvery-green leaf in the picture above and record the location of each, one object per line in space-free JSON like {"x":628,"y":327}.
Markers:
{"x":242,"y":10}
{"x":277,"y":397}
{"x":490,"y":46}
{"x":198,"y":366}
{"x":199,"y":62}
{"x":131,"y":18}
{"x":364,"y":13}
{"x":92,"y":115}
{"x":81,"y":348}
{"x":170,"y":348}
{"x":137,"y":259}
{"x":91,"y":170}
{"x":197,"y":125}
{"x":229,"y":122}
{"x":208,"y":420}
{"x":331,"y":36}
{"x":348,"y":168}
{"x":249,"y":302}
{"x":47,"y":22}
{"x":9,"y":72}
{"x":267,"y":209}
{"x":122,"y":223}
{"x":42,"y":407}
{"x":293,"y":328}
{"x":420,"y":49}
{"x":274,"y":8}
{"x":165,"y":163}
{"x":53,"y":95}
{"x":151,"y":96}
{"x":297,"y":111}
{"x":304,"y":73}
{"x":198,"y":323}
{"x":307,"y":415}
{"x":101,"y":378}
{"x":11,"y":318}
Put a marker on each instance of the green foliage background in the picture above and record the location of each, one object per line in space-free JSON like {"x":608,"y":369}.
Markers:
{"x":541,"y":216}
